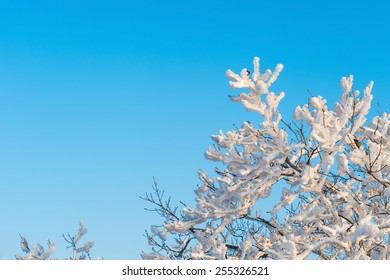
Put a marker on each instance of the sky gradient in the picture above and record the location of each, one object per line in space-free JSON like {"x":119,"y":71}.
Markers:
{"x":97,"y":97}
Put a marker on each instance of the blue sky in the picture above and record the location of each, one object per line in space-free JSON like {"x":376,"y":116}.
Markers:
{"x":97,"y":97}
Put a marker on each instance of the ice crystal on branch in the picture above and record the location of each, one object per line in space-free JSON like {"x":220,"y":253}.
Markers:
{"x":330,"y":167}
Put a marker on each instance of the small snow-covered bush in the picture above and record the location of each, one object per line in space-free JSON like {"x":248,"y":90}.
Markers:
{"x":37,"y":252}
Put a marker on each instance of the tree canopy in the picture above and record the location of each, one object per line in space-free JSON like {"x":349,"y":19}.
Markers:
{"x":330,"y":165}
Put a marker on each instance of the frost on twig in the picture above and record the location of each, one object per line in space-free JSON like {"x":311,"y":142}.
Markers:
{"x":330,"y":165}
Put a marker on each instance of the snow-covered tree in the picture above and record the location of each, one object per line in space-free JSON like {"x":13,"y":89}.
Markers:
{"x":330,"y":165}
{"x":37,"y":252}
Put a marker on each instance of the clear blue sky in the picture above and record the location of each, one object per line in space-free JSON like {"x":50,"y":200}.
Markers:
{"x":97,"y":97}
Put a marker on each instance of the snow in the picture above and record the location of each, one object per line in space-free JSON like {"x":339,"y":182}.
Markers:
{"x":333,"y":175}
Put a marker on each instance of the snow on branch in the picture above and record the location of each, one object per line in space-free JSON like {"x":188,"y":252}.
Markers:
{"x":330,"y":166}
{"x":35,"y":252}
